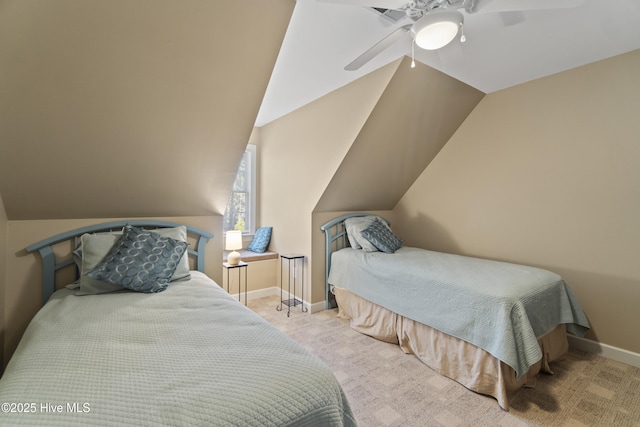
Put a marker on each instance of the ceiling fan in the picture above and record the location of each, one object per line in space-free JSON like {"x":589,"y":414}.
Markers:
{"x":433,"y":24}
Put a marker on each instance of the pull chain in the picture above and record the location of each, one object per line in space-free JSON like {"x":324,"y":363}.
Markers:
{"x":413,"y":54}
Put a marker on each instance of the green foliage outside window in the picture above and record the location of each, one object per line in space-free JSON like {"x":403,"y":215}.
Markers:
{"x":235,"y":217}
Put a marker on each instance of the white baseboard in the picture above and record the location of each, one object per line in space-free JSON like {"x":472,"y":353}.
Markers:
{"x":604,"y":350}
{"x":260,"y":293}
{"x":319,"y":306}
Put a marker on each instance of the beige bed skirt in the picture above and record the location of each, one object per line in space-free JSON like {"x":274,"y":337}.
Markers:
{"x":454,"y":358}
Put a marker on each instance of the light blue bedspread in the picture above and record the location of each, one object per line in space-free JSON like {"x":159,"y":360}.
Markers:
{"x":188,"y":356}
{"x":497,"y":306}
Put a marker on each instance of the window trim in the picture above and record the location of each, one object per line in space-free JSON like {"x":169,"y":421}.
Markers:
{"x":250,"y":218}
{"x":251,"y":171}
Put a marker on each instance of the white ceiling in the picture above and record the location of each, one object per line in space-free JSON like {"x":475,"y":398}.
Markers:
{"x":502,"y":49}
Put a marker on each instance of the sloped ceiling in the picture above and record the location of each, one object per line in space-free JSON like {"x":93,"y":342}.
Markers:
{"x":129,"y":108}
{"x":501,"y":49}
{"x":416,"y":115}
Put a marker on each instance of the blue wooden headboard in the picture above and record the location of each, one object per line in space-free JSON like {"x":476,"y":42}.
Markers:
{"x":336,"y":239}
{"x":50,"y":265}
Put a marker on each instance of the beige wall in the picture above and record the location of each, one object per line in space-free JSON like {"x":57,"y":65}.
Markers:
{"x":298,"y":155}
{"x":3,"y":274}
{"x":24,"y":270}
{"x":130,"y":108}
{"x":360,"y":147}
{"x":260,"y":275}
{"x":547,"y":174}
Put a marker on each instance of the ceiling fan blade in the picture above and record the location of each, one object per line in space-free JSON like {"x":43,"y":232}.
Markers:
{"x":374,"y":50}
{"x":384,"y":4}
{"x":519,"y":5}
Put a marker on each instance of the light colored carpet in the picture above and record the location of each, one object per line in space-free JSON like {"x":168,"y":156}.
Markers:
{"x":387,"y":387}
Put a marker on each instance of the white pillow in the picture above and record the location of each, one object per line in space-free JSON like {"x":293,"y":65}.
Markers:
{"x":355,"y":226}
{"x":94,"y":248}
{"x":178,"y":233}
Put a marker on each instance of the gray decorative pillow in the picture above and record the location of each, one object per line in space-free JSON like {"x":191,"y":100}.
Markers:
{"x":382,"y":237}
{"x":141,"y":260}
{"x":355,"y":226}
{"x":94,"y":247}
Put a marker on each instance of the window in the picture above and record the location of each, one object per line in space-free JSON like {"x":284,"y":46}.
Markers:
{"x":240,"y":212}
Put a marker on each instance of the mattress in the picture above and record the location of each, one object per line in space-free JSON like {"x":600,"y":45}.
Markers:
{"x":191,"y":355}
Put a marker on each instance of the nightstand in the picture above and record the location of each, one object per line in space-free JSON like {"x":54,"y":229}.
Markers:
{"x":239,"y":267}
{"x":292,"y":261}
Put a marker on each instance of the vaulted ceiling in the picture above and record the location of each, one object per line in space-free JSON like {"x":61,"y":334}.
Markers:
{"x":144,"y":108}
{"x":501,"y":49}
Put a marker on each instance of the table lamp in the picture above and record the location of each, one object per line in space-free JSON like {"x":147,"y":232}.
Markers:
{"x":233,"y":242}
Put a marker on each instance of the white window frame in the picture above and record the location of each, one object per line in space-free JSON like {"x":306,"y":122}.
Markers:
{"x":250,"y":214}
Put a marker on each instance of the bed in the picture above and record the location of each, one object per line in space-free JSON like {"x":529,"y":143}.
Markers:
{"x":492,"y":326}
{"x":188,"y":354}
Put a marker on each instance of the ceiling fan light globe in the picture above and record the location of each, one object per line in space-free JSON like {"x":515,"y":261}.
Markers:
{"x":437,"y":28}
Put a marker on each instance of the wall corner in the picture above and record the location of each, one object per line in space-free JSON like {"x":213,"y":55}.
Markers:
{"x":3,"y":277}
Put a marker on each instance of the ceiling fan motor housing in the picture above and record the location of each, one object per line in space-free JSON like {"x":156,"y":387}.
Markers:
{"x":437,"y":28}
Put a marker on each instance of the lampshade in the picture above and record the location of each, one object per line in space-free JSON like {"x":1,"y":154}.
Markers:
{"x":233,"y":242}
{"x":437,"y":28}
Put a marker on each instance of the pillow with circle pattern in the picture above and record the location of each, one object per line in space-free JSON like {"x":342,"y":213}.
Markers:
{"x":94,"y":247}
{"x":140,"y":260}
{"x":354,"y":227}
{"x":382,"y":237}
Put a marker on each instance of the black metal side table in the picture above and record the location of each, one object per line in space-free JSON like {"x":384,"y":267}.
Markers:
{"x":240,"y":266}
{"x":292,"y":301}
